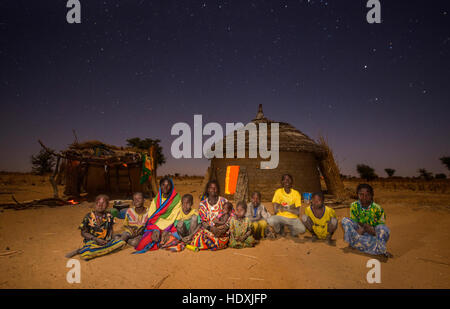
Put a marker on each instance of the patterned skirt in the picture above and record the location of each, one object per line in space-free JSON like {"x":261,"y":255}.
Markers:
{"x":366,"y":243}
{"x":247,"y":243}
{"x":205,"y":240}
{"x":92,"y":250}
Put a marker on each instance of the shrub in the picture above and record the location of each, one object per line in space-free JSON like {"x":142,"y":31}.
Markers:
{"x":366,"y":172}
{"x":440,"y":176}
{"x":424,"y":174}
{"x":145,"y":144}
{"x":446,"y":162}
{"x":389,"y":171}
{"x":42,"y":162}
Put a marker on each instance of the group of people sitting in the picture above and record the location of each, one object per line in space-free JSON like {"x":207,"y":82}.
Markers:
{"x":171,"y":223}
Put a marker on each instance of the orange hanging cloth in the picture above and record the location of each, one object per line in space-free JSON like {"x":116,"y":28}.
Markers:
{"x":231,"y":179}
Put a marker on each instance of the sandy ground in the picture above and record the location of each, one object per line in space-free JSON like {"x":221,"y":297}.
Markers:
{"x":420,"y":231}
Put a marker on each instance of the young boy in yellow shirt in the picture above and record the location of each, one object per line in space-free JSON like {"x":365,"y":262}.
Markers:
{"x":286,"y":202}
{"x":319,"y":219}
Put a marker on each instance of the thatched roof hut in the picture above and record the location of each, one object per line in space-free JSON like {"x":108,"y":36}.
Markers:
{"x":299,"y":156}
{"x":95,"y":167}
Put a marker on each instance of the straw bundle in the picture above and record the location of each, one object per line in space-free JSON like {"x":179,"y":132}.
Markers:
{"x":330,"y":171}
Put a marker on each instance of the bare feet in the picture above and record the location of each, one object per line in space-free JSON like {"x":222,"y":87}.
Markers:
{"x":134,"y":241}
{"x":187,"y":239}
{"x":165,"y":237}
{"x":388,"y":255}
{"x":270,"y":233}
{"x":156,"y":235}
{"x":71,"y":254}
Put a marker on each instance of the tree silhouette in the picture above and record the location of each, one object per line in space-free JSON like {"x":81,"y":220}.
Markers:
{"x":366,"y":172}
{"x":440,"y":176}
{"x":145,"y":144}
{"x":446,"y":162}
{"x":42,"y":162}
{"x":424,"y":174}
{"x":389,"y":171}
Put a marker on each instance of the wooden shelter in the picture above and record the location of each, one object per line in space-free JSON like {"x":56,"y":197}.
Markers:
{"x":299,"y":156}
{"x":94,"y":167}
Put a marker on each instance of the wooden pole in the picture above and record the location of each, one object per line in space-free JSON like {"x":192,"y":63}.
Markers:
{"x":60,"y":176}
{"x":75,"y":136}
{"x":130,"y":184}
{"x":52,"y":176}
{"x":242,"y":193}
{"x":153,"y":171}
{"x":52,"y":179}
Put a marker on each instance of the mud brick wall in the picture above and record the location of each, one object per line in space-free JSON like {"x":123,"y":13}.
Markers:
{"x":303,"y":167}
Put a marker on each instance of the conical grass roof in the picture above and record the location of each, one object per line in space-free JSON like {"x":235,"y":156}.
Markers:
{"x":290,"y":138}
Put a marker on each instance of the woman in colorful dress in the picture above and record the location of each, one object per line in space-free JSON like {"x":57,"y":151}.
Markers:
{"x":164,"y":210}
{"x":365,"y":230}
{"x":97,"y":231}
{"x":211,"y":237}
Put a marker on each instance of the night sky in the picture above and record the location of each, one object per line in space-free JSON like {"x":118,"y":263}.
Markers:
{"x":379,"y":92}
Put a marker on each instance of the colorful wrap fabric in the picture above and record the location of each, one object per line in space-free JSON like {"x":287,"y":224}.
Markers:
{"x":148,"y":165}
{"x":92,"y":250}
{"x":173,"y":244}
{"x":204,"y":239}
{"x":209,"y":212}
{"x":134,"y":223}
{"x":100,"y":227}
{"x":372,"y":215}
{"x":163,"y":215}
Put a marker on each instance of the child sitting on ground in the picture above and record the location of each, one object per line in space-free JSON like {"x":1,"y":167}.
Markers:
{"x":97,"y":231}
{"x":224,"y":217}
{"x":188,"y":221}
{"x":135,"y":219}
{"x":320,"y":220}
{"x":241,"y":228}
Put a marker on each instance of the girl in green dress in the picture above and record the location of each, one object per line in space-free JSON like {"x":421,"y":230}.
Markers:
{"x":241,"y":229}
